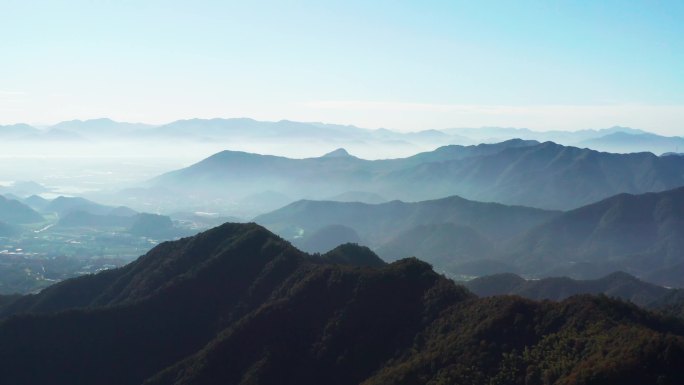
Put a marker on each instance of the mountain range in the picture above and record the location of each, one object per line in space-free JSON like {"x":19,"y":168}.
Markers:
{"x":445,"y":232}
{"x":14,"y":212}
{"x":640,"y":234}
{"x":618,"y":285}
{"x":635,"y":142}
{"x":516,"y":172}
{"x":614,"y":139}
{"x":65,"y":205}
{"x":237,"y":304}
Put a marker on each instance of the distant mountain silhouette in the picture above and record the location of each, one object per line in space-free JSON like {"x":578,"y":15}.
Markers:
{"x":635,"y":142}
{"x":236,"y":304}
{"x":618,"y":284}
{"x":516,"y":172}
{"x":151,"y":225}
{"x":327,"y":238}
{"x":64,"y":205}
{"x":97,"y":128}
{"x":640,"y":234}
{"x":246,"y":130}
{"x":36,"y":202}
{"x":23,"y":189}
{"x":15,"y":212}
{"x":671,"y":304}
{"x":636,"y":233}
{"x":232,"y":175}
{"x":546,"y":175}
{"x":669,"y":275}
{"x":568,"y":138}
{"x":358,"y":196}
{"x":339,"y":153}
{"x":18,"y":131}
{"x":379,"y":224}
{"x":445,"y":245}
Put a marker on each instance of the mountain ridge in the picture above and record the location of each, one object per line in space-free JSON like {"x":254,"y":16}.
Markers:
{"x":237,"y":304}
{"x":516,"y":172}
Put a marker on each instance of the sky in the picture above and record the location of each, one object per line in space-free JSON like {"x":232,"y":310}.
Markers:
{"x":404,"y":65}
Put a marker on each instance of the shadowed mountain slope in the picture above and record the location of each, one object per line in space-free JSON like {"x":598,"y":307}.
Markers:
{"x":441,"y":244}
{"x":546,"y":175}
{"x":642,"y":235}
{"x":636,"y":233}
{"x":515,"y":172}
{"x":238,"y":305}
{"x":377,"y":224}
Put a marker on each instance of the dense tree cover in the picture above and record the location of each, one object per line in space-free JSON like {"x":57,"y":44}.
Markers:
{"x":238,"y":305}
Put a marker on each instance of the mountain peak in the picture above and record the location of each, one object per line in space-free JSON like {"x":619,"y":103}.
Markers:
{"x":339,"y":153}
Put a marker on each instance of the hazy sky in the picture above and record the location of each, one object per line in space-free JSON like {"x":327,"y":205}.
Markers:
{"x":405,"y":65}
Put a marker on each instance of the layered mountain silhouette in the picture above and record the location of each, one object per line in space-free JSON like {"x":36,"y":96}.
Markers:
{"x":614,"y":139}
{"x":640,"y":234}
{"x":445,"y":245}
{"x":618,"y":285}
{"x":22,"y":189}
{"x":459,"y":237}
{"x":489,"y":134}
{"x":64,"y":205}
{"x":544,"y":175}
{"x":635,"y":142}
{"x":396,"y":223}
{"x":237,"y":304}
{"x":14,"y":212}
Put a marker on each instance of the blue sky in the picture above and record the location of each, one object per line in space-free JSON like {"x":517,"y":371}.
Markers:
{"x":406,"y":65}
